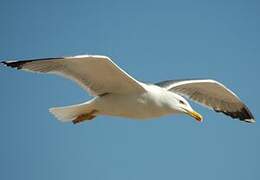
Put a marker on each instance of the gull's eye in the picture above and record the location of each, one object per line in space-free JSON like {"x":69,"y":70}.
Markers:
{"x":182,"y":102}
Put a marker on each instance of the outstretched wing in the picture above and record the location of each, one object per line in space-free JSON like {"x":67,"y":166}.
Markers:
{"x":96,"y":74}
{"x":211,"y":94}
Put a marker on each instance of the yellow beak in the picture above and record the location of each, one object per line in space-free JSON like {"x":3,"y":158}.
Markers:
{"x":195,"y":115}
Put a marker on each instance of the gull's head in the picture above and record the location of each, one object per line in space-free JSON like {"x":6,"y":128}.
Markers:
{"x":181,"y":105}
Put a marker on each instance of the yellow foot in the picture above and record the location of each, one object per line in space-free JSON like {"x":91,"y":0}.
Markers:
{"x":83,"y":117}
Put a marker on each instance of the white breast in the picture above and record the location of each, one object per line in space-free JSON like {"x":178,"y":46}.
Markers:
{"x":150,"y":104}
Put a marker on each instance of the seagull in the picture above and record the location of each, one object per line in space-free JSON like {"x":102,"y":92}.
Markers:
{"x":116,"y":93}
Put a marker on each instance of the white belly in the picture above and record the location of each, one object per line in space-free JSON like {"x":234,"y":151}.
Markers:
{"x":141,"y":106}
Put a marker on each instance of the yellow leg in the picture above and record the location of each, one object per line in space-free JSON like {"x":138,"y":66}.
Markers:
{"x":83,"y":117}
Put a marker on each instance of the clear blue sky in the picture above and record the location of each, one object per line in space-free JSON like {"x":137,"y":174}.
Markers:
{"x":153,"y":41}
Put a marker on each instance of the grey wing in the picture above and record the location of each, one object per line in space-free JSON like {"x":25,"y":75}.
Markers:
{"x":211,"y":94}
{"x":96,"y":74}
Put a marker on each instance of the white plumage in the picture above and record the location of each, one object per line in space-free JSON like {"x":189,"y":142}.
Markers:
{"x":118,"y":94}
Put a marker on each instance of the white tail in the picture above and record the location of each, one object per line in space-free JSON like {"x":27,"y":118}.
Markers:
{"x":69,"y":113}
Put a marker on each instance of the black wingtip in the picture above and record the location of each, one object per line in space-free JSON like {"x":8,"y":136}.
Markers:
{"x":248,"y":116}
{"x":249,"y":120}
{"x":15,"y":64}
{"x":4,"y":63}
{"x":19,"y":64}
{"x":243,"y":114}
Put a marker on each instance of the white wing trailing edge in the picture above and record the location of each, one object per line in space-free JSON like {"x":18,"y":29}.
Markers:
{"x":211,"y":94}
{"x":96,"y":74}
